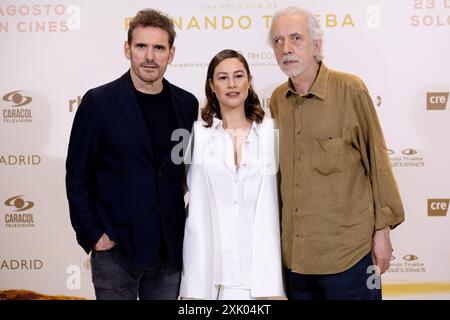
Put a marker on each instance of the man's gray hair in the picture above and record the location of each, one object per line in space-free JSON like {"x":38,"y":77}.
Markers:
{"x":313,"y":24}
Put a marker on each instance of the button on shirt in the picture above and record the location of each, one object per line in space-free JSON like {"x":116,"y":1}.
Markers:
{"x":337,"y":185}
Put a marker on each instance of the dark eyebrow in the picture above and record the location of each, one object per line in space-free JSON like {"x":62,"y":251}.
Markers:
{"x":139,"y":44}
{"x":226,"y":73}
{"x":159,"y":46}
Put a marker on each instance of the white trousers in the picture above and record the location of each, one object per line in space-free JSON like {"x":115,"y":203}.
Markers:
{"x":228,"y":293}
{"x":231,"y":293}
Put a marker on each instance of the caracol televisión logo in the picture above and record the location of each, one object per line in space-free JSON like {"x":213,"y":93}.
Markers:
{"x":19,"y":215}
{"x":16,"y":107}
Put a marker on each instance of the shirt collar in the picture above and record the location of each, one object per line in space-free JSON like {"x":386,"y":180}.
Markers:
{"x":217,"y":124}
{"x":319,"y":86}
{"x":254,"y":130}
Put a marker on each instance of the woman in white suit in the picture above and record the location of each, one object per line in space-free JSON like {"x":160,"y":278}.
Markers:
{"x":232,"y":234}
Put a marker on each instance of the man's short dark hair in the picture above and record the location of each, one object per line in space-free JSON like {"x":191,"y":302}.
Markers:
{"x":152,"y":18}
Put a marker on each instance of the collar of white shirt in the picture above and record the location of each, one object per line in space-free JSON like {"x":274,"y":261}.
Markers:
{"x":254,"y":130}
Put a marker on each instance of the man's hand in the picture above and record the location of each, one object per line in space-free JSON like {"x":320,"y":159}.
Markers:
{"x":381,"y":249}
{"x":104,"y":243}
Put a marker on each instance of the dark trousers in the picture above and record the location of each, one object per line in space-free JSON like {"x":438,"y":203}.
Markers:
{"x":114,"y":279}
{"x":357,"y":283}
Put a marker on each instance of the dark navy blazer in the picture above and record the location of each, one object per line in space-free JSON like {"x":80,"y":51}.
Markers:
{"x":112,"y":183}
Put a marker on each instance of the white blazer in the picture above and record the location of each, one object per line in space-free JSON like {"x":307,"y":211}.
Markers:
{"x":212,"y":195}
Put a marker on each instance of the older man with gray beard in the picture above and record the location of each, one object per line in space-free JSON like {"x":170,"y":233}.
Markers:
{"x":339,"y":196}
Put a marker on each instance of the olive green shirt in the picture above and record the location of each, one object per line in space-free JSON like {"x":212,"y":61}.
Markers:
{"x":337,"y":184}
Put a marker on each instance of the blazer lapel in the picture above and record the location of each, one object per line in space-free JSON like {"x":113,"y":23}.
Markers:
{"x":129,"y":105}
{"x":177,"y":104}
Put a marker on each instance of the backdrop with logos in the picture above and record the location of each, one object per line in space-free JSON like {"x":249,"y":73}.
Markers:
{"x":52,"y":52}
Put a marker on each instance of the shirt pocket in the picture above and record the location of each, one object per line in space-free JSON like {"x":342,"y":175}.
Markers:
{"x":328,"y":155}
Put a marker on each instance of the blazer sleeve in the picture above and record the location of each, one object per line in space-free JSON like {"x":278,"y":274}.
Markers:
{"x":267,"y":278}
{"x":268,"y":193}
{"x":199,"y":209}
{"x":197,"y":275}
{"x":80,"y":172}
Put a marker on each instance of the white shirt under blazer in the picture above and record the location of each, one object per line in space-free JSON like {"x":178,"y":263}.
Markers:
{"x":232,"y":232}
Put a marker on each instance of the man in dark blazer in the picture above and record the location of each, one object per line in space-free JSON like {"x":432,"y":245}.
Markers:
{"x":125,"y":191}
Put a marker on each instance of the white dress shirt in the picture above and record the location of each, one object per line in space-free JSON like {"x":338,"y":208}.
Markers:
{"x":234,"y":192}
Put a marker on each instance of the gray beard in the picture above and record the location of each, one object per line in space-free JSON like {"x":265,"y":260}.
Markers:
{"x":294,"y":72}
